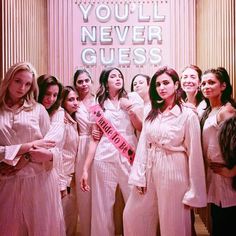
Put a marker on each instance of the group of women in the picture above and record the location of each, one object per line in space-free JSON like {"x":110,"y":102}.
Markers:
{"x":64,"y":152}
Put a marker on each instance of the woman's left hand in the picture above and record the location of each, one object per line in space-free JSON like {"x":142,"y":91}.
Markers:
{"x":221,"y":169}
{"x":40,"y":155}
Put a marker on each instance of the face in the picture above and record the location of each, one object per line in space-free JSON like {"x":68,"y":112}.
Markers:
{"x":83,"y":83}
{"x":165,"y":87}
{"x":71,"y":102}
{"x":115,"y":81}
{"x":211,"y":86}
{"x":20,"y":85}
{"x":190,"y":81}
{"x":50,"y":96}
{"x":140,"y":85}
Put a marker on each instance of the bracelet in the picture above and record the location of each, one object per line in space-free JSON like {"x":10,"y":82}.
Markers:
{"x":27,"y":156}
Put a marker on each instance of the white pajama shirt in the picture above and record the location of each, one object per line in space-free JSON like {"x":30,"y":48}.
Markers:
{"x":30,"y":199}
{"x":169,"y":163}
{"x":109,"y":169}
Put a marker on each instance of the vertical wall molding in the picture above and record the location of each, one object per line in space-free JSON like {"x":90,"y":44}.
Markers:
{"x":24,"y":34}
{"x":216,"y":25}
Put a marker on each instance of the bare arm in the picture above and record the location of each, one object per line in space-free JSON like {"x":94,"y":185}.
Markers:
{"x":89,"y":159}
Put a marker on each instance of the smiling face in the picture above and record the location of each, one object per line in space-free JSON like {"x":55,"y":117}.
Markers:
{"x":20,"y":85}
{"x":50,"y":96}
{"x":165,"y":87}
{"x":211,"y":87}
{"x":115,"y":81}
{"x":140,"y":86}
{"x":83,"y":83}
{"x":190,"y":81}
{"x":71,"y":102}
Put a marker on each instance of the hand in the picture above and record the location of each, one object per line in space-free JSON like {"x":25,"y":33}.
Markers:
{"x":63,"y":193}
{"x":221,"y":169}
{"x":84,"y":182}
{"x":141,"y":190}
{"x":41,"y":143}
{"x":11,"y":170}
{"x":97,"y":134}
{"x":125,"y":104}
{"x":40,"y":155}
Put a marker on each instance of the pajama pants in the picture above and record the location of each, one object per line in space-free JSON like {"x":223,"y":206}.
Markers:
{"x":31,"y":205}
{"x":167,"y":182}
{"x":105,"y":178}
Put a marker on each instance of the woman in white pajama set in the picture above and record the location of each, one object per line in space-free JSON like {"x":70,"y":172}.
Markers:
{"x":221,"y":195}
{"x":50,"y":96}
{"x":109,"y":167}
{"x":30,"y":199}
{"x":83,"y":84}
{"x":168,"y":167}
{"x":69,"y":101}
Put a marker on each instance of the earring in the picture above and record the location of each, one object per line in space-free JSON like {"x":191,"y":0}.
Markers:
{"x":160,"y":101}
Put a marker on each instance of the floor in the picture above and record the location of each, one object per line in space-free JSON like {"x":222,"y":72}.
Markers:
{"x":201,"y":230}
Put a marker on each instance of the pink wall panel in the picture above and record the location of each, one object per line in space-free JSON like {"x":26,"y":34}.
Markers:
{"x":146,"y":35}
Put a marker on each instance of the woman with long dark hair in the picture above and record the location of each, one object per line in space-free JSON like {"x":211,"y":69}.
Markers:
{"x":217,"y":91}
{"x":110,"y":167}
{"x":168,"y":167}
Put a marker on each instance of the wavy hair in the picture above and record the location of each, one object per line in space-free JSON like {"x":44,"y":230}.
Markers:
{"x":103,"y":92}
{"x":156,"y":101}
{"x":44,"y":82}
{"x":32,"y":94}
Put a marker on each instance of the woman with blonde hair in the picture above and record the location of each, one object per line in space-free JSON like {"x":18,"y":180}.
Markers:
{"x":27,"y":188}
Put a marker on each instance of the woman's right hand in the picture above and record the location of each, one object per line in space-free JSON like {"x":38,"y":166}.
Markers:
{"x":41,"y":143}
{"x":141,"y":190}
{"x":84,"y":182}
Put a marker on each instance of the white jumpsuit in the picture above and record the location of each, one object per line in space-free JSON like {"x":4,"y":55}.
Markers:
{"x":169,"y":163}
{"x":109,"y":169}
{"x":84,"y":199}
{"x":67,"y":175}
{"x":30,"y":200}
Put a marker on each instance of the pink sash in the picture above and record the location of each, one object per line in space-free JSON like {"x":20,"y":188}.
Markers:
{"x":112,"y":134}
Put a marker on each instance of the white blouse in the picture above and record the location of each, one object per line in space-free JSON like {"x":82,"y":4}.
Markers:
{"x":174,"y":134}
{"x":69,"y":151}
{"x":220,"y":191}
{"x":119,"y":118}
{"x":26,"y":124}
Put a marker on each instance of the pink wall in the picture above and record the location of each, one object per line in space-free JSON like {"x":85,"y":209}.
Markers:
{"x":169,"y":25}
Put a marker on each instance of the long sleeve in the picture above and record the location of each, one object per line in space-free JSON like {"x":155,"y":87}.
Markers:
{"x":196,"y":195}
{"x":138,"y":171}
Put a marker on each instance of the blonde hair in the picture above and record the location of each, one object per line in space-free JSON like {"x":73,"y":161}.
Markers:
{"x":32,"y":94}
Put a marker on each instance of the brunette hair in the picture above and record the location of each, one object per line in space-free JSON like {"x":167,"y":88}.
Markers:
{"x":227,"y":141}
{"x":44,"y":82}
{"x":148,"y":79}
{"x":156,"y":101}
{"x":78,"y":73}
{"x":66,"y":90}
{"x":222,"y":75}
{"x":199,"y":96}
{"x":103,"y":92}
